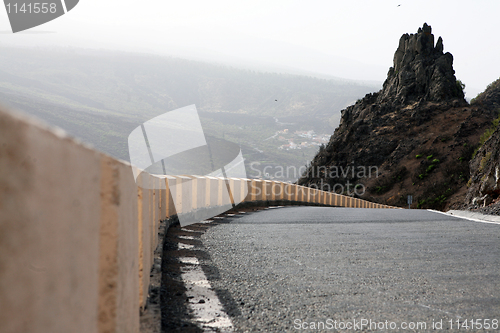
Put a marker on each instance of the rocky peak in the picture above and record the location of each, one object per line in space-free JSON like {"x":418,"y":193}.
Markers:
{"x":418,"y":132}
{"x":421,"y":71}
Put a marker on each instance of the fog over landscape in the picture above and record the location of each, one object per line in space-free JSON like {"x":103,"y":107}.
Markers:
{"x":269,"y":76}
{"x":352,"y":40}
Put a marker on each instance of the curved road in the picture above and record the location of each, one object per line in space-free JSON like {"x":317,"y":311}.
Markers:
{"x":308,"y":269}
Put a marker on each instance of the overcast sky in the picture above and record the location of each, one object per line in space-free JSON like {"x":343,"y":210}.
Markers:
{"x":349,"y":39}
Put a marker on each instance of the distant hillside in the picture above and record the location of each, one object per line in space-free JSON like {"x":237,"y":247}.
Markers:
{"x":101,"y":96}
{"x":413,"y":137}
{"x":106,"y":80}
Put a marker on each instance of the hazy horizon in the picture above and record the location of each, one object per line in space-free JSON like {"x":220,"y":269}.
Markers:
{"x":354,"y":40}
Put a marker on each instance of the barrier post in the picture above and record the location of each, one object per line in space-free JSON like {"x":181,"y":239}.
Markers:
{"x":170,"y":182}
{"x":259,"y":189}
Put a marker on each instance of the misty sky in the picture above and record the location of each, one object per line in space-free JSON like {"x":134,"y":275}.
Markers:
{"x":349,"y":39}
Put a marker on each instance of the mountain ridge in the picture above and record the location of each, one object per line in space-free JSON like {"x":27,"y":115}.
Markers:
{"x":483,"y":192}
{"x":418,"y":131}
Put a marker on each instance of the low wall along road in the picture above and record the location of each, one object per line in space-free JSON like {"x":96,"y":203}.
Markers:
{"x":77,"y":235}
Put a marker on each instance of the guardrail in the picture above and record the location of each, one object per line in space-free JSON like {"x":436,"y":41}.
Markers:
{"x":77,"y":235}
{"x":264,"y":191}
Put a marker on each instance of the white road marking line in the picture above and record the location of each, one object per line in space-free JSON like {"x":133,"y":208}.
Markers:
{"x":189,"y":260}
{"x":192,"y":276}
{"x":463,"y":217}
{"x":188,"y":230}
{"x":182,"y":246}
{"x":186,"y":237}
{"x":206,"y":307}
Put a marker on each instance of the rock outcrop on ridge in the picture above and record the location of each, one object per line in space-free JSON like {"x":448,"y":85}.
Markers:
{"x":413,"y":137}
{"x":421,"y":72}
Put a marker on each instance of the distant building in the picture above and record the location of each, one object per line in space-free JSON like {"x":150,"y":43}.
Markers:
{"x":305,"y":134}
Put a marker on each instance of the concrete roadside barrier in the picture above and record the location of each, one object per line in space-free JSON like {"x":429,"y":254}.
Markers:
{"x":118,"y":249}
{"x":78,"y":233}
{"x":50,"y":221}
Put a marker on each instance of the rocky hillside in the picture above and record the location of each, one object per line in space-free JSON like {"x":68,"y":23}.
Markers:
{"x":484,"y":185}
{"x":413,"y":137}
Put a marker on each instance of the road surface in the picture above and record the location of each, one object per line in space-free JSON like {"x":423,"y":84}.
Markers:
{"x":297,"y":269}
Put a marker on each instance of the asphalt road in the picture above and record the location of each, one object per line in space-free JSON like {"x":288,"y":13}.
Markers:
{"x":298,"y":269}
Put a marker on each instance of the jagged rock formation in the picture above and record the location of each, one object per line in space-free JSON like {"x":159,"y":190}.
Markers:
{"x":421,"y":71}
{"x":418,"y":133}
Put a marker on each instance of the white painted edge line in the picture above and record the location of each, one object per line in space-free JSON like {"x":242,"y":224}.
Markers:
{"x":186,"y":237}
{"x":189,"y":260}
{"x":188,"y":230}
{"x":206,"y":307}
{"x":183,"y":246}
{"x":463,"y":217}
